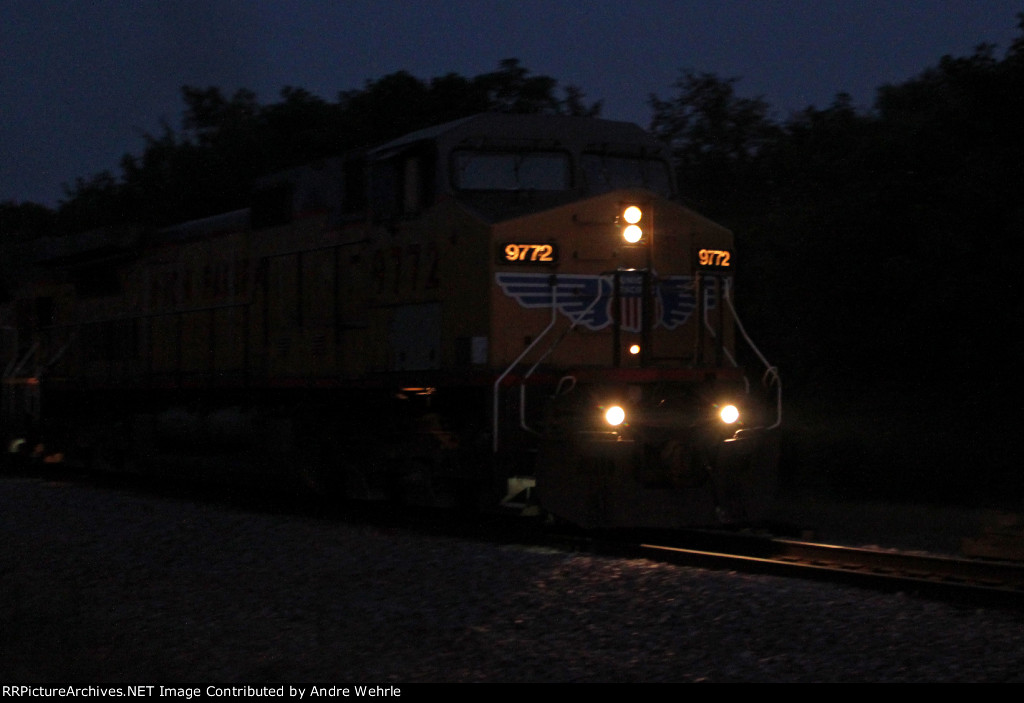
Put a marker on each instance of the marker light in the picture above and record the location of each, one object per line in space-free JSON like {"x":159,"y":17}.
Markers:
{"x":614,"y":416}
{"x":729,"y":414}
{"x":634,"y":349}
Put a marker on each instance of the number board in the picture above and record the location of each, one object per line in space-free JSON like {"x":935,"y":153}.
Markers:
{"x":715,"y":259}
{"x":519,"y":253}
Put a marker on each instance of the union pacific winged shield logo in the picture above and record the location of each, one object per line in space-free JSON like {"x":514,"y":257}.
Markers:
{"x":587,"y":300}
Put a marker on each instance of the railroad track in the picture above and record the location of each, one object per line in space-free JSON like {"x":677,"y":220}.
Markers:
{"x":969,"y":581}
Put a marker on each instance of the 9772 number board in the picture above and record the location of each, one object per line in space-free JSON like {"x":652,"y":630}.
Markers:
{"x":518,"y":253}
{"x":714,"y":259}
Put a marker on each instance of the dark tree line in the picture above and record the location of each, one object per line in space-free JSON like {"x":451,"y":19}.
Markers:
{"x":225,"y":142}
{"x":881,"y":254}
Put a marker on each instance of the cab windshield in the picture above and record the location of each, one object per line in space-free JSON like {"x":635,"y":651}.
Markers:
{"x":605,"y":172}
{"x":497,"y":170}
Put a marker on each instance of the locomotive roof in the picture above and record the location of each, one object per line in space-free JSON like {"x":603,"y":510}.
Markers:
{"x":513,"y":132}
{"x":497,"y":129}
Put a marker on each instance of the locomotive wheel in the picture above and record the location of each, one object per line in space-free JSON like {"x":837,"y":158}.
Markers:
{"x":108,"y":448}
{"x":318,"y":464}
{"x":746,"y":477}
{"x":423,"y":476}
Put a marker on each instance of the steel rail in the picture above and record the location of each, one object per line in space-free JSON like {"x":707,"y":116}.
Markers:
{"x":972,"y":581}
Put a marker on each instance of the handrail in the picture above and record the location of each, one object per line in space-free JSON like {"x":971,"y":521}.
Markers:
{"x":11,"y":372}
{"x":732,"y":359}
{"x":771,"y":374}
{"x":546,"y":354}
{"x":497,"y":383}
{"x":14,"y":350}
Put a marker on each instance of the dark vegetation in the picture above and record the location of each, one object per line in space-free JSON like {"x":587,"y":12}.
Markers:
{"x":881,"y":249}
{"x":881,"y":258}
{"x":225,"y":143}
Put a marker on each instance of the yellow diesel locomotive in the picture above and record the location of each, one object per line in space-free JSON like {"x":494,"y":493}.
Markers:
{"x":506,"y":310}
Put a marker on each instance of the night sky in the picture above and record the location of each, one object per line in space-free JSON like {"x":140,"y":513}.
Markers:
{"x":82,"y":81}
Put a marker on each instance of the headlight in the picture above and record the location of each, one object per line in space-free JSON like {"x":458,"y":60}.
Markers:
{"x":632,"y":232}
{"x":729,"y":414}
{"x":614,"y":416}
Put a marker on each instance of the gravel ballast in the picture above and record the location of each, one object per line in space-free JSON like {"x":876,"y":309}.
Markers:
{"x":104,"y":584}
